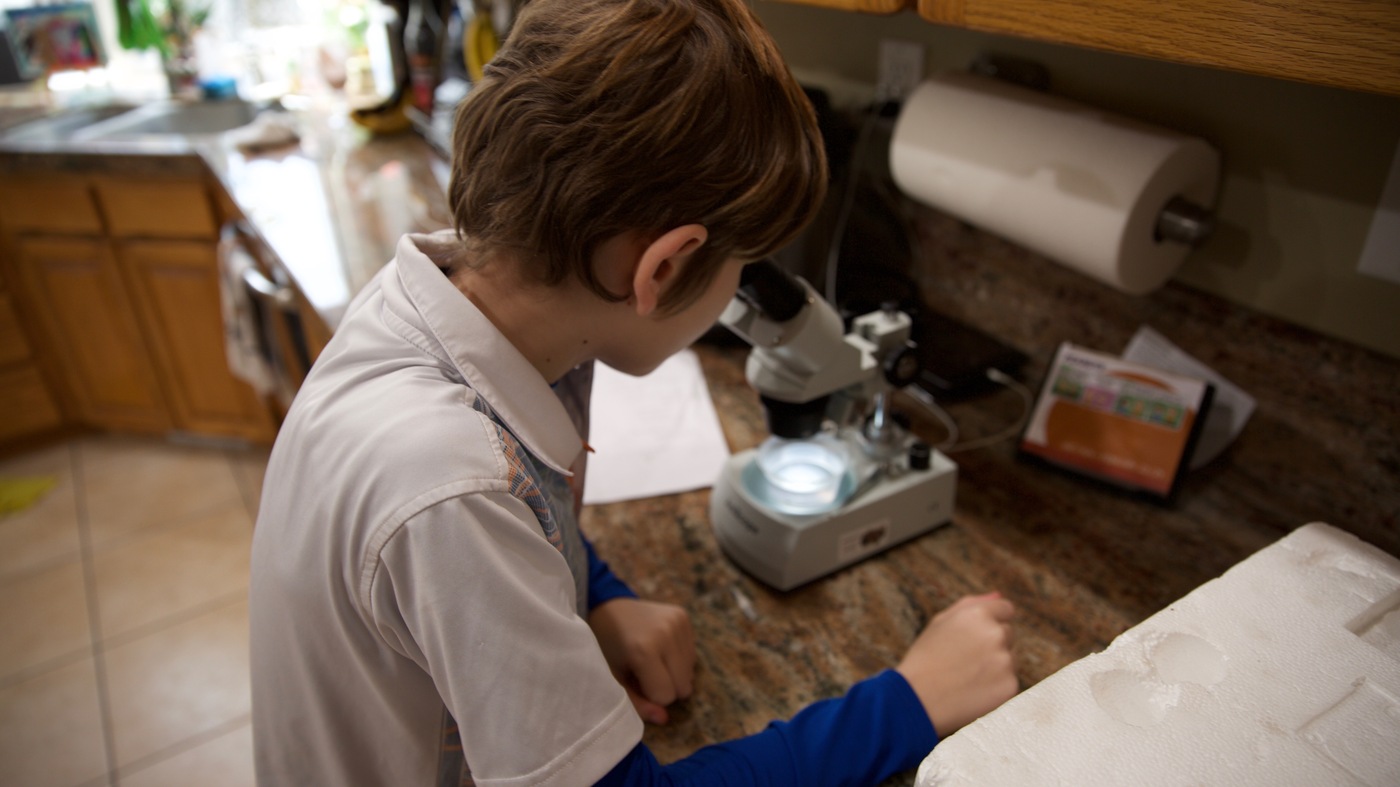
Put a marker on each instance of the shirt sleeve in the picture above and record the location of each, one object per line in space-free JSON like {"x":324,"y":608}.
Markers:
{"x":878,"y":729}
{"x":603,"y":584}
{"x":469,"y":590}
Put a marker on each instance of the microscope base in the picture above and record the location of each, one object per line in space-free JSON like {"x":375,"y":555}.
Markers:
{"x":785,"y":550}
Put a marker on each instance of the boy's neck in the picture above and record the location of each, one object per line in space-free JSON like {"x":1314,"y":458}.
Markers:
{"x":556,"y":328}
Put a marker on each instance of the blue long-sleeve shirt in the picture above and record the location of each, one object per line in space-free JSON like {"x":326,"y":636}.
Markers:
{"x":879,"y":728}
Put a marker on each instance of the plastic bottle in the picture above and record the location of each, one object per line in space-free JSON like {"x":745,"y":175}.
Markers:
{"x":423,"y":38}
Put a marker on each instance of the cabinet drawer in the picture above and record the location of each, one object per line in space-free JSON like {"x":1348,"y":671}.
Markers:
{"x":157,"y":208}
{"x":48,"y":204}
{"x":13,"y":347}
{"x":28,"y":406}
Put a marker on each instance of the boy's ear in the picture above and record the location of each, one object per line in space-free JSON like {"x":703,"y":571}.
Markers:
{"x":660,"y":263}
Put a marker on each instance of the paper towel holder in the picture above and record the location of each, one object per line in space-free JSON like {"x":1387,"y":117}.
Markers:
{"x":1183,"y":221}
{"x":1019,"y":71}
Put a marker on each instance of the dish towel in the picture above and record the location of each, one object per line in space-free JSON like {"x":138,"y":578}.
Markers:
{"x":249,"y":355}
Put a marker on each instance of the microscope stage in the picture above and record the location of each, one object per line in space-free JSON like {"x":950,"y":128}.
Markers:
{"x":787,"y":550}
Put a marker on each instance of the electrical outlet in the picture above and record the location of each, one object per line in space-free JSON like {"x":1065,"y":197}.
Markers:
{"x":901,"y":69}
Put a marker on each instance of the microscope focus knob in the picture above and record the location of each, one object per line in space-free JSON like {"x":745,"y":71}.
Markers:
{"x":902,"y":366}
{"x":920,"y":456}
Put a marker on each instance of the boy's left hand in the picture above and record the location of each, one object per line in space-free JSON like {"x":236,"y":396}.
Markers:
{"x":650,"y":647}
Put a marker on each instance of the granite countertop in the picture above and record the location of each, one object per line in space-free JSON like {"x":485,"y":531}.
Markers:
{"x":1082,"y":562}
{"x":333,"y":206}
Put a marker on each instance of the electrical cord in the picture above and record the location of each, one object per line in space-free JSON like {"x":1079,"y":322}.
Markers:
{"x":848,"y":198}
{"x":950,"y":444}
{"x":924,"y":398}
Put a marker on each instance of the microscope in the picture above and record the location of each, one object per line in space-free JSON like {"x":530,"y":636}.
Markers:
{"x":839,"y":480}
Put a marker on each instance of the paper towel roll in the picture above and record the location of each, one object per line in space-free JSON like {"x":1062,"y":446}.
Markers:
{"x":1078,"y":185}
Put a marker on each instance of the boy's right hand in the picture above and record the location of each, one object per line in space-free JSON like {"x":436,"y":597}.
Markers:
{"x":960,"y":666}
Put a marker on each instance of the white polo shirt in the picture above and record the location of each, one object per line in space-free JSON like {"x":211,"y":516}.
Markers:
{"x":400,"y":579}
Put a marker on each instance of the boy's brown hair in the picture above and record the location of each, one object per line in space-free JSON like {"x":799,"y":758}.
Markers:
{"x":604,"y":117}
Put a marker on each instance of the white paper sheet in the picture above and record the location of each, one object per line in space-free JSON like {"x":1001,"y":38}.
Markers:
{"x":653,"y":435}
{"x":1229,"y":410}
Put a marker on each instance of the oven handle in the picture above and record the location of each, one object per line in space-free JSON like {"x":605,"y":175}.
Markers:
{"x":277,"y":296}
{"x":238,"y":238}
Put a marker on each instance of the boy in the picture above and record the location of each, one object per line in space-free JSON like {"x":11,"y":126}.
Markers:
{"x":423,"y":607}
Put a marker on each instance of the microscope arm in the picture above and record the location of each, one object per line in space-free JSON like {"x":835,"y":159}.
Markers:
{"x":801,"y":352}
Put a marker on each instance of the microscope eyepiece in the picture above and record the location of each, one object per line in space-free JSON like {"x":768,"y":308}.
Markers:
{"x":776,"y":293}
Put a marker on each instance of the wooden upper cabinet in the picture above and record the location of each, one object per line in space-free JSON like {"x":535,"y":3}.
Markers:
{"x":1353,"y":44}
{"x":864,"y":6}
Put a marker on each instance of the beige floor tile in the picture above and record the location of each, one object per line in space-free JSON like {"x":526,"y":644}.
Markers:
{"x":178,"y":683}
{"x":165,"y":571}
{"x":47,"y":532}
{"x":51,"y":729}
{"x":133,"y":483}
{"x":44,"y":616}
{"x":225,"y":761}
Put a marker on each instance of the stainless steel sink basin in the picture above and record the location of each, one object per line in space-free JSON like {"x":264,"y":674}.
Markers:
{"x":126,"y":121}
{"x":63,"y":124}
{"x":166,"y":118}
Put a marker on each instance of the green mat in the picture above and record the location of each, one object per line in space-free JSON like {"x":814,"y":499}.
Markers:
{"x":17,"y":494}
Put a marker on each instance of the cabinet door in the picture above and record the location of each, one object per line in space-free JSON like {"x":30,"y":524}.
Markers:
{"x":25,"y":399}
{"x":1352,"y":44}
{"x":175,"y":285}
{"x":88,"y":326}
{"x":13,"y":348}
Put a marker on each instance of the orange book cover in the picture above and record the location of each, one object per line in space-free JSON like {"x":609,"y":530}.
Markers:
{"x":1121,"y":422}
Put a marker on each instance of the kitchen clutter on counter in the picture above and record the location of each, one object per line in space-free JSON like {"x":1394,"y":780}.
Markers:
{"x":267,"y":131}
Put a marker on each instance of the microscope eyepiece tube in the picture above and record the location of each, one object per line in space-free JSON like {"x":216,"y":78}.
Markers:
{"x":794,"y":420}
{"x":773,"y":291}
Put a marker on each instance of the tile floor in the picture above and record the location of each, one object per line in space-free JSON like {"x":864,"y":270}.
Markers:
{"x":123,"y":602}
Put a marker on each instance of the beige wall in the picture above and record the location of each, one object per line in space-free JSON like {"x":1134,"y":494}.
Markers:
{"x":1304,"y":165}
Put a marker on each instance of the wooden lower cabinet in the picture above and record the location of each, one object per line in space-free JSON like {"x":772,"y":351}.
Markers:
{"x":175,"y":289}
{"x":27,"y":403}
{"x":116,"y":279}
{"x":76,"y":292}
{"x":28,"y":406}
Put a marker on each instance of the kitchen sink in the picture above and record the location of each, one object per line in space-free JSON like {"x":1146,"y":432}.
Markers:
{"x":63,"y":124}
{"x":166,"y":118}
{"x":126,"y":121}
